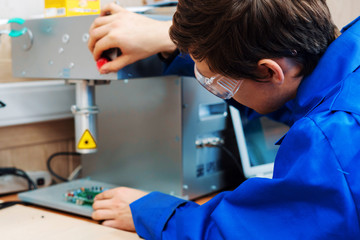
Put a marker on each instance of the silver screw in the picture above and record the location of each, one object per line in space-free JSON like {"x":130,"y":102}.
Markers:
{"x":65,"y":38}
{"x":85,"y":37}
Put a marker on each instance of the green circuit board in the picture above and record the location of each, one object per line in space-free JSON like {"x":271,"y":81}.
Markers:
{"x":83,"y":196}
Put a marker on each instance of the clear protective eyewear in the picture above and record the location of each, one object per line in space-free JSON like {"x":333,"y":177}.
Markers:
{"x":218,"y":85}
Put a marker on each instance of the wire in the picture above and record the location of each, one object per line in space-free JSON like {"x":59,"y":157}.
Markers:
{"x":23,"y":174}
{"x":48,"y":163}
{"x":219,"y":143}
{"x":231,"y":155}
{"x":19,"y":173}
{"x":12,"y":203}
{"x":75,"y":173}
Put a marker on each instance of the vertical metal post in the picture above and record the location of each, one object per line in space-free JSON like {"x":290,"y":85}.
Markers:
{"x":85,"y":112}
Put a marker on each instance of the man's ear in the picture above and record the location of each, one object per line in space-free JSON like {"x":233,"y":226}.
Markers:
{"x":272,"y":69}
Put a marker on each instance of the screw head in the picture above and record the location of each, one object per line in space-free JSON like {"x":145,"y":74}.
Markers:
{"x":65,"y":38}
{"x":85,"y":37}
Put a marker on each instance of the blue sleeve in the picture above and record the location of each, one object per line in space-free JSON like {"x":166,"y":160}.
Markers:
{"x":181,"y":65}
{"x":150,"y":216}
{"x":284,"y":114}
{"x":308,"y":198}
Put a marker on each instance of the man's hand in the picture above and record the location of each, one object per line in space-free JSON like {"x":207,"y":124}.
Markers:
{"x":137,"y":37}
{"x":113,"y":207}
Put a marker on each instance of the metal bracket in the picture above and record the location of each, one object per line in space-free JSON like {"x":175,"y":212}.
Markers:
{"x":20,"y":32}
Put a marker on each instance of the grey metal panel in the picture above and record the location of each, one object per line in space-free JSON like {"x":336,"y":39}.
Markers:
{"x":59,"y":51}
{"x":35,"y":101}
{"x":147,"y":131}
{"x":139,"y":128}
{"x":205,"y":170}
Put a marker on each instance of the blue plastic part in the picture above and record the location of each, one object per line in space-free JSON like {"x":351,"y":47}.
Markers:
{"x":19,"y":21}
{"x":17,"y":33}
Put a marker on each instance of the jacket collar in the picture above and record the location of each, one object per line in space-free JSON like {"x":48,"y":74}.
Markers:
{"x":340,"y":59}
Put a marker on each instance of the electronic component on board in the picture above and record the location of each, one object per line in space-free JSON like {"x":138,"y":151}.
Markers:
{"x":83,"y":196}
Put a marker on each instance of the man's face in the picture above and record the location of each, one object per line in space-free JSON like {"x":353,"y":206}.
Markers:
{"x":263,"y":96}
{"x":220,"y":86}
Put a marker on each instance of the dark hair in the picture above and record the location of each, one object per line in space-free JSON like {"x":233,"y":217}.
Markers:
{"x":233,"y":35}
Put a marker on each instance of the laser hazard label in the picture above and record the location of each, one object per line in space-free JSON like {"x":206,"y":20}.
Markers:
{"x":86,"y":141}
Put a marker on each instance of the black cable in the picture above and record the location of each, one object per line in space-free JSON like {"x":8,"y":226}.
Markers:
{"x":12,"y":203}
{"x":23,"y":174}
{"x":19,"y":173}
{"x":48,"y":163}
{"x":231,"y":155}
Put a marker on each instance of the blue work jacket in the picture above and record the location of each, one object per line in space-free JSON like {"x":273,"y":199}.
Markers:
{"x":315,"y":190}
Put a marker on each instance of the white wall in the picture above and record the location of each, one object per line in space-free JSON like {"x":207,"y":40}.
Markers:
{"x":344,"y":11}
{"x":20,"y":8}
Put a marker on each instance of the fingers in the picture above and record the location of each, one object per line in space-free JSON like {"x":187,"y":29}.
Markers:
{"x":105,"y":43}
{"x":116,"y":64}
{"x":100,"y":27}
{"x":96,"y":34}
{"x":100,"y":21}
{"x":108,"y":194}
{"x":127,"y":226}
{"x":102,"y":204}
{"x":110,"y":223}
{"x":113,"y":206}
{"x":103,"y":214}
{"x":110,"y":8}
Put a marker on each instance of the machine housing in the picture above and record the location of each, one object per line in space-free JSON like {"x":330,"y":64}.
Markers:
{"x":150,"y":130}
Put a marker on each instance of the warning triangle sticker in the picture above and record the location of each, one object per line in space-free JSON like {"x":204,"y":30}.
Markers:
{"x":86,"y":141}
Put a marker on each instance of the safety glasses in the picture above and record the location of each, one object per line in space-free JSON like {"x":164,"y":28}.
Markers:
{"x":218,"y":85}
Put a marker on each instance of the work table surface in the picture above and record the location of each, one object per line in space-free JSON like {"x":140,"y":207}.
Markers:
{"x":36,"y":223}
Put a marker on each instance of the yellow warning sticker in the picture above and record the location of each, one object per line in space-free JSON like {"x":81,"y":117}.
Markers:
{"x":86,"y":141}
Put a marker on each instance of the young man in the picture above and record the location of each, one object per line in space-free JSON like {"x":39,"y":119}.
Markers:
{"x":278,"y":58}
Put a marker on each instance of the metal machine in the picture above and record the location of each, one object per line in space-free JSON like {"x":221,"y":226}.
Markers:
{"x":56,"y":48}
{"x":154,"y":132}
